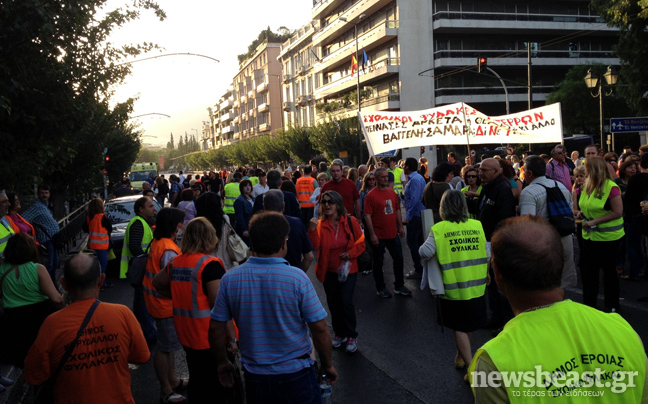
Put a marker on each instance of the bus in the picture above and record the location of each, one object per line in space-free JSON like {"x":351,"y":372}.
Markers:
{"x":140,"y":172}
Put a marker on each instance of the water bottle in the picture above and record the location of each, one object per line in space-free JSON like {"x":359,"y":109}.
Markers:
{"x":327,"y":391}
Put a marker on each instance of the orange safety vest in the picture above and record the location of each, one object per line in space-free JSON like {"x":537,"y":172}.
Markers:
{"x":16,"y":229}
{"x":305,"y":189}
{"x":191,"y":309}
{"x":158,"y":305}
{"x":99,"y":239}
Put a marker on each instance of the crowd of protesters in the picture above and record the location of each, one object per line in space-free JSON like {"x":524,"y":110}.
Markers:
{"x":344,"y":218}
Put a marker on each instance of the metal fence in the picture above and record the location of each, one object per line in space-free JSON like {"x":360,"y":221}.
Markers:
{"x":70,"y":227}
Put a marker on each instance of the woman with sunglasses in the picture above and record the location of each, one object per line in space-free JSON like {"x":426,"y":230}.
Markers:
{"x":473,"y":188}
{"x":339,"y":241}
{"x":368,"y":183}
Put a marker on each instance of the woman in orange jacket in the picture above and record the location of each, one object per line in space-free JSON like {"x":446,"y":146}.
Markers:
{"x":99,"y":228}
{"x":339,"y":241}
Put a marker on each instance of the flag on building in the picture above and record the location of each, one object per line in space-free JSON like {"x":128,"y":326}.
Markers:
{"x":354,"y":64}
{"x":365,"y":60}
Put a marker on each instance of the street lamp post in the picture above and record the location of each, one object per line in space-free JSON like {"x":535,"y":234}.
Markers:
{"x":355,"y":30}
{"x":592,"y":82}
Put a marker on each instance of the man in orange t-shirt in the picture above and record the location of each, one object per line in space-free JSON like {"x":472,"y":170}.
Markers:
{"x":97,"y":370}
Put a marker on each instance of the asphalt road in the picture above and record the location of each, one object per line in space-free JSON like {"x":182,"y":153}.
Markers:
{"x":403,"y":356}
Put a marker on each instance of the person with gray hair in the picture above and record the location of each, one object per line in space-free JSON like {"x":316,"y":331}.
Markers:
{"x":291,"y":207}
{"x":533,"y":201}
{"x":558,"y":168}
{"x":459,"y":243}
{"x":300,"y":249}
{"x":384,"y":226}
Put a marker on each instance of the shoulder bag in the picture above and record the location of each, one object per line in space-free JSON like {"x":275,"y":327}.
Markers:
{"x":44,"y":393}
{"x":137,"y":268}
{"x":364,"y":259}
{"x":236,"y":247}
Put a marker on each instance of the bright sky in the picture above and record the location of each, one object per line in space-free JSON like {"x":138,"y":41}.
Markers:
{"x":185,"y":86}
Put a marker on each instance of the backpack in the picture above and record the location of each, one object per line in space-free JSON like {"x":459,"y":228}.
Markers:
{"x":560,"y":214}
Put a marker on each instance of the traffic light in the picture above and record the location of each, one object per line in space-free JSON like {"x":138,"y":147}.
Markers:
{"x":482,"y":64}
{"x":107,"y":158}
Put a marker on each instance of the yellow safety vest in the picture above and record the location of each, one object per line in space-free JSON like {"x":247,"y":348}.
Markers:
{"x":461,"y":250}
{"x":126,"y":253}
{"x":466,"y":189}
{"x":579,"y":348}
{"x":5,"y":232}
{"x":232,"y":192}
{"x":593,"y":207}
{"x":398,"y":185}
{"x":254,"y":180}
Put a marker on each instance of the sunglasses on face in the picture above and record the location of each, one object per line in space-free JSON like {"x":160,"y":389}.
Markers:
{"x":327,"y":202}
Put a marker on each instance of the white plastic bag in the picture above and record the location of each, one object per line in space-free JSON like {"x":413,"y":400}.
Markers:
{"x":343,"y":271}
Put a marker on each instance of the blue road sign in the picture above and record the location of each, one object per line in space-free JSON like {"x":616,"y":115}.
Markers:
{"x":388,"y":154}
{"x":622,"y":125}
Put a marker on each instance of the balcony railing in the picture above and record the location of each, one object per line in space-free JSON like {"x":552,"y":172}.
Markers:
{"x":522,"y":17}
{"x":449,"y":91}
{"x":262,"y":87}
{"x":365,"y":103}
{"x":263,"y":107}
{"x":369,"y":68}
{"x":522,"y":53}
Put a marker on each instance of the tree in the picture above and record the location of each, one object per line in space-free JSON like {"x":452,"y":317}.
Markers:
{"x":631,"y":17}
{"x":170,"y":142}
{"x":297,"y":141}
{"x":265,"y":35}
{"x":57,"y":74}
{"x":579,"y":109}
{"x":336,"y":136}
{"x":147,"y":156}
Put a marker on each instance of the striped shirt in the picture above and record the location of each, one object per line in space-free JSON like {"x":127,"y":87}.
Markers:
{"x":272,"y":304}
{"x":533,"y":199}
{"x":559,"y":172}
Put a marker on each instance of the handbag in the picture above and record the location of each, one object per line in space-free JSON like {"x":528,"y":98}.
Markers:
{"x":365,"y":258}
{"x":137,"y":268}
{"x":44,"y":392}
{"x":236,"y":248}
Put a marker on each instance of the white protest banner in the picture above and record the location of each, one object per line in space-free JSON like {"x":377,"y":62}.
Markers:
{"x":459,"y":124}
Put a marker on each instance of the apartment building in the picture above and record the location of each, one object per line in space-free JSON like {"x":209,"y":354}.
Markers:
{"x":298,"y":61}
{"x":251,"y":105}
{"x":424,"y":54}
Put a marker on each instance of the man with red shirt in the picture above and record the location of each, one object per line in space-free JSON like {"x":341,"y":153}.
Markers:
{"x":344,"y":187}
{"x":384,"y":226}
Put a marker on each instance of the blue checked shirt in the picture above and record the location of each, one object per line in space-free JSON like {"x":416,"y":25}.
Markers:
{"x":40,"y":214}
{"x":413,"y":195}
